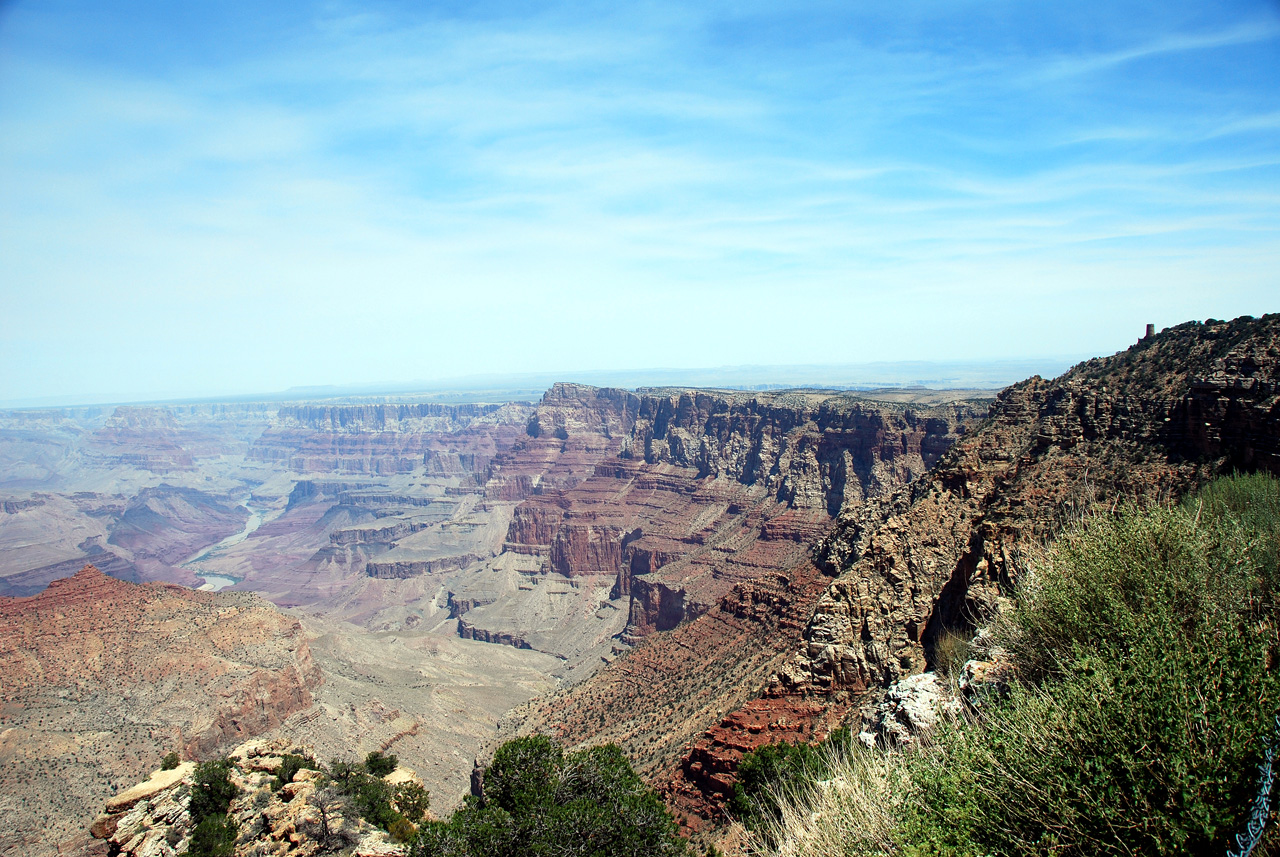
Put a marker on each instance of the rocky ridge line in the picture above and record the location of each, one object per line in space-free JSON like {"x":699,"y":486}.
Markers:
{"x":1145,"y":425}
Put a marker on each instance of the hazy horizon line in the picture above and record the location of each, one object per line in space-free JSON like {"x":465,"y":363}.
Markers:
{"x":935,"y":374}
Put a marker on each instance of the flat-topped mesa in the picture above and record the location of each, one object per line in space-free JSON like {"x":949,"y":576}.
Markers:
{"x":146,"y":438}
{"x":377,"y":535}
{"x":402,"y":569}
{"x":389,"y":439}
{"x":13,"y":507}
{"x":416,"y":418}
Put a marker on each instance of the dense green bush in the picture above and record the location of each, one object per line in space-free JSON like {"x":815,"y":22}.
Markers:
{"x":539,"y":800}
{"x":412,"y":801}
{"x":394,"y":809}
{"x":342,"y":772}
{"x":379,"y":765}
{"x":369,"y":795}
{"x":1146,"y":651}
{"x":212,"y":790}
{"x":372,"y":799}
{"x":214,"y":836}
{"x":768,"y":772}
{"x":170,"y":761}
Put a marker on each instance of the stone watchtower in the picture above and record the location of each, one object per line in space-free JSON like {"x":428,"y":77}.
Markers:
{"x":1151,"y":331}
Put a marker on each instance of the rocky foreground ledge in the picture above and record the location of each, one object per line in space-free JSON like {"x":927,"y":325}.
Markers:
{"x":153,"y":818}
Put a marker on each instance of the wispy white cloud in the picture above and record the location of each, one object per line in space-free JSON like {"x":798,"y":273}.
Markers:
{"x":1251,"y":32}
{"x":466,"y":194}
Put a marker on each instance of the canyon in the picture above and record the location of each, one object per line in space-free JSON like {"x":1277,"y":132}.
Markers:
{"x":446,"y":563}
{"x":687,"y":573}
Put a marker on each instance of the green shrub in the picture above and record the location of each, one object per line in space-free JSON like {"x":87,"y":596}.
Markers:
{"x":538,"y":800}
{"x":379,"y":765}
{"x":170,"y":761}
{"x":412,"y":801}
{"x":401,"y":830}
{"x":768,"y":772}
{"x":212,"y":790}
{"x":214,"y":836}
{"x":1145,"y":650}
{"x":373,"y":798}
{"x":524,"y":773}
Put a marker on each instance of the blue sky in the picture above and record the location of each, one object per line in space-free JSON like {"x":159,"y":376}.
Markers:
{"x":208,"y":198}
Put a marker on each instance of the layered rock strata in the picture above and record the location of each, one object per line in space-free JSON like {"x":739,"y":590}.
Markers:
{"x":704,"y":522}
{"x":388,"y":439}
{"x":707,"y":489}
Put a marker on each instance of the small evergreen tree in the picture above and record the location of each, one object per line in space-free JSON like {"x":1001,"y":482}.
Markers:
{"x":412,"y":801}
{"x":380,"y":765}
{"x":212,"y":791}
{"x":214,"y":836}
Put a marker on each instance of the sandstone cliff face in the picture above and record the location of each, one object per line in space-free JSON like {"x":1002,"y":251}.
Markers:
{"x":99,"y":678}
{"x":707,"y":487}
{"x":1147,"y":424}
{"x":705,"y":519}
{"x":808,"y":451}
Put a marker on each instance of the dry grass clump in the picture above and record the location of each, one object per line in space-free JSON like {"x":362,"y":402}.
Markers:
{"x":854,"y":812}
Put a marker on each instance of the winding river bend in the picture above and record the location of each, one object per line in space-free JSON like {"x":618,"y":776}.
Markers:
{"x":215,"y":582}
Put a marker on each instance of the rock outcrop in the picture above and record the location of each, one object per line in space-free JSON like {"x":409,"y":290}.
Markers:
{"x":301,"y":818}
{"x":99,"y":678}
{"x":1147,"y":424}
